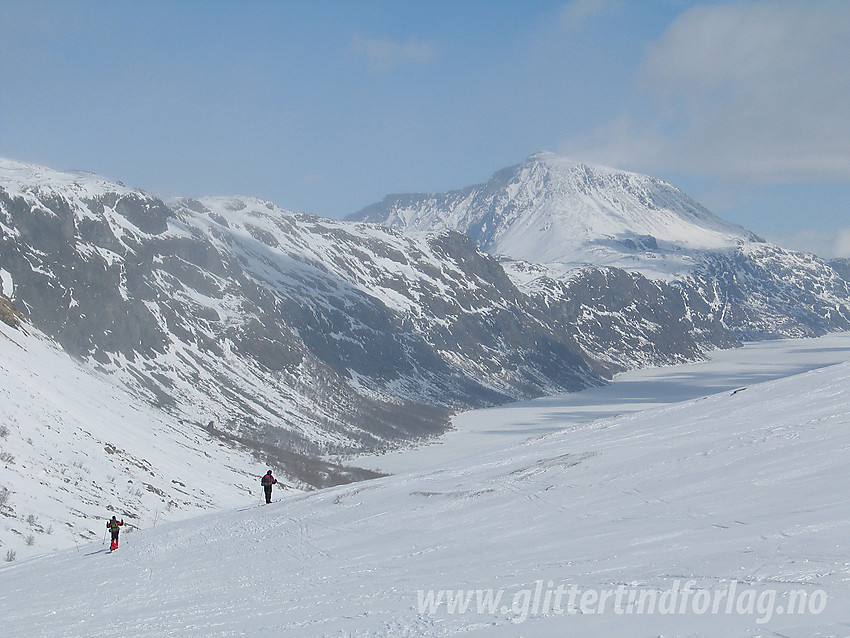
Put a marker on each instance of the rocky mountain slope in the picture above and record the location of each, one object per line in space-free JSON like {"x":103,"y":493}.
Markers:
{"x":288,"y":333}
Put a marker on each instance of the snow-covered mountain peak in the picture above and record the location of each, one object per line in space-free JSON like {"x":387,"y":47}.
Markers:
{"x":563,"y":163}
{"x":553,"y":209}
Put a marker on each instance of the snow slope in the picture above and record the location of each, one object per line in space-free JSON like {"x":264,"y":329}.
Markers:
{"x":738,"y":497}
{"x":75,"y":444}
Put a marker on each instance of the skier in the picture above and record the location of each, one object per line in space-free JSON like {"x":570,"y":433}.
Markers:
{"x":114,"y":527}
{"x":267,"y":481}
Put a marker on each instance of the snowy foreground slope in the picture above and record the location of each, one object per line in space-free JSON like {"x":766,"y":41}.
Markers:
{"x":74,"y":444}
{"x":715,"y":516}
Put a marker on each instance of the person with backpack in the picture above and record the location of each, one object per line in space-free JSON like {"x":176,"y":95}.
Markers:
{"x":114,"y":527}
{"x":267,"y":481}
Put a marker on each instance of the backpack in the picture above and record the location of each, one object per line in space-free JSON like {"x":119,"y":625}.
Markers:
{"x":266,"y":480}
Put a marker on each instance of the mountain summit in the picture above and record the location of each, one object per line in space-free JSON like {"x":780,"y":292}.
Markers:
{"x":552,"y":209}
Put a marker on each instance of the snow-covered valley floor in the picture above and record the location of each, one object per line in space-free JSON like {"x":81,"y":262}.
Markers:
{"x":705,"y":500}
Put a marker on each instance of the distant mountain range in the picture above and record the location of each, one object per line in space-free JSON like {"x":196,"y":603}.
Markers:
{"x":563,"y":228}
{"x":303,"y":341}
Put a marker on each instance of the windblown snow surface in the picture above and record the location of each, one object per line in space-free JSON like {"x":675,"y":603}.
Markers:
{"x":690,"y":513}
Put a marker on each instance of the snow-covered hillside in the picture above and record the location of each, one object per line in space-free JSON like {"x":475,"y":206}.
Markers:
{"x":73,"y":444}
{"x":724,"y":515}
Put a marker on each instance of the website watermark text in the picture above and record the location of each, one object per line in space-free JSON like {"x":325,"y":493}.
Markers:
{"x":546,"y":599}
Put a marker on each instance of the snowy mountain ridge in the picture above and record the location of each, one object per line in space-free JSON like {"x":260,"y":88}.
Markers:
{"x":23,"y":177}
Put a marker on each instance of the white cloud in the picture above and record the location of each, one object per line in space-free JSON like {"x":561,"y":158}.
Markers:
{"x":842,"y":243}
{"x":758,"y":91}
{"x":386,"y":54}
{"x":824,"y":244}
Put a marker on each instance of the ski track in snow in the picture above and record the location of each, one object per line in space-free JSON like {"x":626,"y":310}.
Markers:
{"x":710,"y":474}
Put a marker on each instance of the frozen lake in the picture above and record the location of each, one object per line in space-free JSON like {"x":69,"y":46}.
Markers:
{"x":482,"y":431}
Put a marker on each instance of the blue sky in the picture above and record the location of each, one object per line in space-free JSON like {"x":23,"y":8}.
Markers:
{"x":325,"y":107}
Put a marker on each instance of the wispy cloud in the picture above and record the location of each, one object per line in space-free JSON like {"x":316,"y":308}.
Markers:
{"x":386,"y":54}
{"x":755,"y":90}
{"x":576,"y":12}
{"x":842,"y":243}
{"x":826,"y":244}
